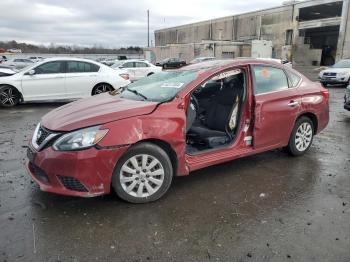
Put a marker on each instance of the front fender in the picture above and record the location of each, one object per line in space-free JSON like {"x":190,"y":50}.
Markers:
{"x":166,"y":123}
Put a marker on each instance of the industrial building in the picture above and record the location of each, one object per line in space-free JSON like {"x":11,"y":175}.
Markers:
{"x":315,"y":32}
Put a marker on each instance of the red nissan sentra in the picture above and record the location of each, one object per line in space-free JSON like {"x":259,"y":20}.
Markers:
{"x":134,"y":140}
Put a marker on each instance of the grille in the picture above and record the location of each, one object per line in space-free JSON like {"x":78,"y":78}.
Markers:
{"x":39,"y":173}
{"x":72,"y":184}
{"x":330,"y":74}
{"x":42,"y":135}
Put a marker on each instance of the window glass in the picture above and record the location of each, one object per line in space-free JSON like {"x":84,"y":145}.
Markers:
{"x":161,"y":86}
{"x":141,"y":64}
{"x":269,"y":79}
{"x":81,"y":67}
{"x":294,"y":79}
{"x":50,"y":68}
{"x":128,"y":65}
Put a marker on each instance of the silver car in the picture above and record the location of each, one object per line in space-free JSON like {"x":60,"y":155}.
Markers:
{"x":337,"y":74}
{"x":18,"y":63}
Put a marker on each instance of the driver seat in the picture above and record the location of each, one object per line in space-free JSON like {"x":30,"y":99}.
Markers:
{"x":212,"y":131}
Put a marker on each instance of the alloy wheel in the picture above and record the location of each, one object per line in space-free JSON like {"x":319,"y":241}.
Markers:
{"x":303,"y":136}
{"x":103,"y":88}
{"x":141,"y":175}
{"x":8,"y":97}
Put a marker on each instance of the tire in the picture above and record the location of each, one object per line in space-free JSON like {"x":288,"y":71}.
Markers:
{"x":165,"y":66}
{"x":132,"y":173}
{"x":9,"y":96}
{"x":304,"y":130}
{"x":102,"y":88}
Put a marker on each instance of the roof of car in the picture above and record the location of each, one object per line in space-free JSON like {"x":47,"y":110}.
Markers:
{"x":228,"y":63}
{"x":133,"y":60}
{"x":59,"y":58}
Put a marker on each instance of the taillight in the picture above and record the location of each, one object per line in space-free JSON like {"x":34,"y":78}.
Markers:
{"x":325,"y":93}
{"x":125,"y":76}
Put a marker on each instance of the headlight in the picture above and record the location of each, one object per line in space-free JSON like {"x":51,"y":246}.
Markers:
{"x":342,"y":74}
{"x":80,"y":139}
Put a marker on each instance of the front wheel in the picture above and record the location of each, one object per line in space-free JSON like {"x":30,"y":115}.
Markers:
{"x":9,"y":96}
{"x":143,"y":174}
{"x":302,"y":137}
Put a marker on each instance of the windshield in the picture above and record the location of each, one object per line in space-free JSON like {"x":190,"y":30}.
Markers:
{"x":342,"y":64}
{"x":159,"y":87}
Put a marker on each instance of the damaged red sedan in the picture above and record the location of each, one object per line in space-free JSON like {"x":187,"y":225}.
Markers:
{"x":135,"y":140}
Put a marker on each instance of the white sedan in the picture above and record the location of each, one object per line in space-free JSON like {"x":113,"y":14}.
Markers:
{"x":60,"y":79}
{"x":137,"y":68}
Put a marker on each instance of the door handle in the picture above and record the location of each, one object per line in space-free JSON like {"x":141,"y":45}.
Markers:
{"x":293,"y":103}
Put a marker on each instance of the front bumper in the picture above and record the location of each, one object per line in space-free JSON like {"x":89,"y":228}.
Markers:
{"x":334,"y":80}
{"x":84,"y":173}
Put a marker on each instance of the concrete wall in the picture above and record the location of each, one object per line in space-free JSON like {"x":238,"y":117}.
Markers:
{"x":270,"y":24}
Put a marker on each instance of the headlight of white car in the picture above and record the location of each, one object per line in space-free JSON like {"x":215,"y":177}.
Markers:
{"x":80,"y":139}
{"x":342,"y":74}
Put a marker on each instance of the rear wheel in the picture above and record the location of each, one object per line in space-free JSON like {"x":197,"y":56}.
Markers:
{"x":9,"y":96}
{"x":143,"y":174}
{"x":101,"y":88}
{"x":302,"y":137}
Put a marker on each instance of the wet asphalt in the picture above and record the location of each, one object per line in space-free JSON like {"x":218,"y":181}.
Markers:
{"x":268,"y":207}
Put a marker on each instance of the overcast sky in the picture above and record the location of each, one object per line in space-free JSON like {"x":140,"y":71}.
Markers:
{"x":108,"y":23}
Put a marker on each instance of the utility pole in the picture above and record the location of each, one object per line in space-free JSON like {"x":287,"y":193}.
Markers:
{"x":147,"y":28}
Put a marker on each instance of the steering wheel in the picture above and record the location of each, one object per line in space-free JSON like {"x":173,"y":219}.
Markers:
{"x":192,"y":112}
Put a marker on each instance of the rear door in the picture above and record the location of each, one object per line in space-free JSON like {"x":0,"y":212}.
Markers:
{"x":81,"y":77}
{"x":141,"y":70}
{"x":277,"y":104}
{"x":48,"y":82}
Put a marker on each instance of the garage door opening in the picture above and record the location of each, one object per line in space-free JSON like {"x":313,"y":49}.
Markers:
{"x":324,"y":38}
{"x":321,"y":11}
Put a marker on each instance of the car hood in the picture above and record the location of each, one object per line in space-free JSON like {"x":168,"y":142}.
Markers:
{"x":336,"y":70}
{"x":95,"y":110}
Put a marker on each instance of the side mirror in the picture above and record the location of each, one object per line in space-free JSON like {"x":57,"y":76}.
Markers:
{"x":31,"y":72}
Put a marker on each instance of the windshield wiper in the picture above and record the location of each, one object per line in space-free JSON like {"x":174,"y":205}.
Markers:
{"x":137,"y":93}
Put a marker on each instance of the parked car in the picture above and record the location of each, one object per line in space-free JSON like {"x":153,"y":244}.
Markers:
{"x":201,"y":59}
{"x":60,"y":79}
{"x":18,"y":63}
{"x":347,"y":98}
{"x":339,"y":73}
{"x":6,"y":71}
{"x":3,"y":59}
{"x":172,"y":123}
{"x":36,"y":58}
{"x":111,"y":61}
{"x":172,"y":63}
{"x":137,"y":68}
